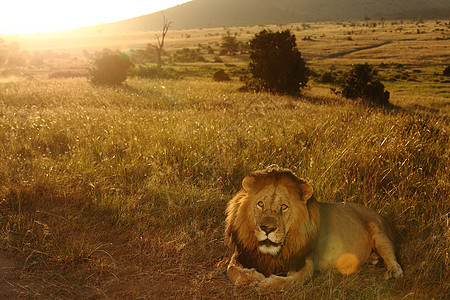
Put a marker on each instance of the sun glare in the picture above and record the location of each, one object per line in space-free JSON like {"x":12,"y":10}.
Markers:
{"x":29,"y":16}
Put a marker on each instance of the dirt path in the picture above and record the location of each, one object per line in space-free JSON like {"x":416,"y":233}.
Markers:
{"x":340,"y":54}
{"x":6,"y":266}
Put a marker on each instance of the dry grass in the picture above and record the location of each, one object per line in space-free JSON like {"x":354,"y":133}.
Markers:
{"x":120,"y":192}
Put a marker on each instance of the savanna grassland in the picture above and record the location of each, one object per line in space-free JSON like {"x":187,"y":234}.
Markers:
{"x":120,"y":192}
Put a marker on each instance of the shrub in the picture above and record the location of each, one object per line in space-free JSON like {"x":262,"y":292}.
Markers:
{"x":141,"y":56}
{"x":210,"y":50}
{"x":220,"y":75}
{"x":217,"y":59}
{"x":229,"y":46}
{"x":187,"y":55}
{"x":153,"y":72}
{"x":327,"y":77}
{"x":446,"y":71}
{"x":110,"y":69}
{"x":362,"y":83}
{"x":276,"y":64}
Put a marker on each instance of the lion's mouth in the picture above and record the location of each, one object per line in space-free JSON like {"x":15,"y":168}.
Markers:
{"x":268,"y":243}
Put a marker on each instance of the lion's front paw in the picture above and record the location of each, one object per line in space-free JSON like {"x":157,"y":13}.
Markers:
{"x":249,"y":276}
{"x":243,"y":276}
{"x":273,"y":283}
{"x":394,"y":271}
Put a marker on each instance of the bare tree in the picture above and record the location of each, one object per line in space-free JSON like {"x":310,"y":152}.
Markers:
{"x":160,"y":46}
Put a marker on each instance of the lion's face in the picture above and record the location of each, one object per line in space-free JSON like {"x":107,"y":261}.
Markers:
{"x":272,"y":222}
{"x":272,"y":215}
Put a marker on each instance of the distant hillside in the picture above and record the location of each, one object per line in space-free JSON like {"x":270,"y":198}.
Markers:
{"x":218,"y":13}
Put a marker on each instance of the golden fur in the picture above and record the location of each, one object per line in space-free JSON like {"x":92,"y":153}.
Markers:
{"x":278,"y":233}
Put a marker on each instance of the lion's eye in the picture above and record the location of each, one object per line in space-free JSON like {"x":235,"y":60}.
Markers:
{"x":284,"y":207}
{"x":260,"y":204}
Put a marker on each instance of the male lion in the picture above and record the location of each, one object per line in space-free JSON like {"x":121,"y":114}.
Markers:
{"x":278,"y":233}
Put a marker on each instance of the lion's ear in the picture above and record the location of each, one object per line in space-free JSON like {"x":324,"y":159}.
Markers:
{"x":306,"y":191}
{"x":249,"y":183}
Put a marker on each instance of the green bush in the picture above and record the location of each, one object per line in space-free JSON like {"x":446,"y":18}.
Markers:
{"x":230,"y":45}
{"x":446,"y":71}
{"x":327,"y":77}
{"x":362,"y":83}
{"x":276,"y":64}
{"x":187,"y":55}
{"x":221,"y":75}
{"x":110,"y":69}
{"x":151,"y":72}
{"x":141,"y":56}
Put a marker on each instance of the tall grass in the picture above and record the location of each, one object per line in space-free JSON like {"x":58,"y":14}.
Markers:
{"x":106,"y":190}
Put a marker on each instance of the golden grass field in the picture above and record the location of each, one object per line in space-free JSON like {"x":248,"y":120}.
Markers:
{"x":120,"y":192}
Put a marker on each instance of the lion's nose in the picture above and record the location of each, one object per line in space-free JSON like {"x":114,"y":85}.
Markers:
{"x":267,"y":228}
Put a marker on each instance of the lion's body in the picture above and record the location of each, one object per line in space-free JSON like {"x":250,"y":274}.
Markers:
{"x":344,"y":239}
{"x":279,"y":233}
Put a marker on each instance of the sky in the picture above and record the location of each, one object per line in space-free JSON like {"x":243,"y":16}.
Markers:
{"x":31,"y":16}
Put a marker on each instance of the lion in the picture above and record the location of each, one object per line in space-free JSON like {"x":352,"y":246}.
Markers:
{"x":278,"y":233}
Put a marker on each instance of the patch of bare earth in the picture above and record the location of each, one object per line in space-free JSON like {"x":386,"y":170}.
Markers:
{"x":157,"y":269}
{"x":147,"y":268}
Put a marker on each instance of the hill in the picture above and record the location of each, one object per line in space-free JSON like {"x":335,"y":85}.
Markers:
{"x":218,"y":13}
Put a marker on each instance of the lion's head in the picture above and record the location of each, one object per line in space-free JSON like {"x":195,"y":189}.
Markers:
{"x":272,"y":222}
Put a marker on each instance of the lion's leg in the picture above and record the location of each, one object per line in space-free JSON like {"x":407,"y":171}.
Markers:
{"x":275,"y":282}
{"x":384,"y":246}
{"x":374,"y":259}
{"x":239,"y":275}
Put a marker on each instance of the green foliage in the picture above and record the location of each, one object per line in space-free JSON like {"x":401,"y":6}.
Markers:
{"x":362,"y":83}
{"x":187,"y":55}
{"x":276,"y":64}
{"x":446,"y":71}
{"x":328,"y":77}
{"x":151,"y":72}
{"x":229,"y":45}
{"x":110,"y":68}
{"x":143,"y":56}
{"x":217,"y":59}
{"x":221,"y":75}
